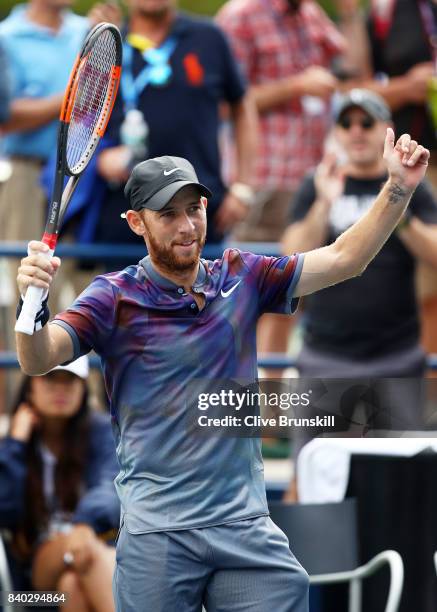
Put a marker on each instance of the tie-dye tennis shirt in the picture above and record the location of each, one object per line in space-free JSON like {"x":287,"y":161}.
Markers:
{"x":153,"y":341}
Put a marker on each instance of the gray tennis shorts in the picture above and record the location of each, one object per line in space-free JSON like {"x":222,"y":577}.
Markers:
{"x":241,"y":566}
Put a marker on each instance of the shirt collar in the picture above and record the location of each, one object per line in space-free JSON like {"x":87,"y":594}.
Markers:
{"x":165,"y":283}
{"x":180,"y":26}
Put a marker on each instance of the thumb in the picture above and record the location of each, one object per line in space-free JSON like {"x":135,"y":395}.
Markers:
{"x":34,"y":247}
{"x":389,"y":143}
{"x":56,"y":262}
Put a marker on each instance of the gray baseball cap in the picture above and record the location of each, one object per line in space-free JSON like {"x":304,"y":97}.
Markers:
{"x":154,"y":182}
{"x":370,"y":102}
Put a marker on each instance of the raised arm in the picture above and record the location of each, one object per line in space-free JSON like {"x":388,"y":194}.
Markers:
{"x":351,"y":253}
{"x":51,"y":345}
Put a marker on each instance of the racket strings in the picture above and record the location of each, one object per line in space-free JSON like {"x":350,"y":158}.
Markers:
{"x":94,"y":90}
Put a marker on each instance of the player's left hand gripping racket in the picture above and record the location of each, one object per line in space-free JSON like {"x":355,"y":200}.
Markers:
{"x":86,"y":108}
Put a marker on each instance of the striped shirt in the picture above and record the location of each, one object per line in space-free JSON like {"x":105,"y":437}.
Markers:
{"x":271,"y":43}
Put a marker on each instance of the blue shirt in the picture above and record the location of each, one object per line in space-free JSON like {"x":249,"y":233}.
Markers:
{"x":154,"y":344}
{"x":40,"y":61}
{"x":183,"y":115}
{"x":98,"y":506}
{"x":5,"y":92}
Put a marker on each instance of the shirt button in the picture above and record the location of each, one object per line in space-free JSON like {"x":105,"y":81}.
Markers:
{"x":180,"y":290}
{"x":193,"y":306}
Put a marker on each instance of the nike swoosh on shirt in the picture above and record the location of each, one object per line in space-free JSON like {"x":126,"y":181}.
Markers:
{"x":227,"y":293}
{"x":167,"y":172}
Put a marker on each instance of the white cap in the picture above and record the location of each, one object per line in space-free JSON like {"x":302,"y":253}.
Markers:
{"x":80,"y":367}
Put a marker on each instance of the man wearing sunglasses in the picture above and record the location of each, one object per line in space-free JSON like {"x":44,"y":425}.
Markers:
{"x":368,"y":326}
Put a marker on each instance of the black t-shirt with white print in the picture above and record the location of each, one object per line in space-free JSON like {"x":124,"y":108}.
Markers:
{"x":376,"y":312}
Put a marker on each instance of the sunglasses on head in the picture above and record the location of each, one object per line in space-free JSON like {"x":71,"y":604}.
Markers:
{"x":366,"y":123}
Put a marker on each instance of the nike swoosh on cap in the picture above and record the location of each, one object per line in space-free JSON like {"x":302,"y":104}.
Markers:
{"x":167,"y":172}
{"x":227,"y":293}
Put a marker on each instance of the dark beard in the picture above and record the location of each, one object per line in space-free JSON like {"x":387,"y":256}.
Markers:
{"x":168,"y":261}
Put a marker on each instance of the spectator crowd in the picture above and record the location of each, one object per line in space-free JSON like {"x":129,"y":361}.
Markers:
{"x":283,"y":113}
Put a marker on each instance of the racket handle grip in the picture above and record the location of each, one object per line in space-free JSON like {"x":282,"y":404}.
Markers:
{"x":32,"y":304}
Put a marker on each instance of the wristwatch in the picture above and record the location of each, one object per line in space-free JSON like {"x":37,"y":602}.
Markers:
{"x":244,"y":193}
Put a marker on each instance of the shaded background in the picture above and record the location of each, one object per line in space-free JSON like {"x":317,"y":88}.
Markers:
{"x":207,"y":7}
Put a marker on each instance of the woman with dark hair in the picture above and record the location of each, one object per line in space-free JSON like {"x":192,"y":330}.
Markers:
{"x":57,"y":497}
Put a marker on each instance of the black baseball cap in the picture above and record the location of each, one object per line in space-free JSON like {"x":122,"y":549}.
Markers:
{"x":154,"y":182}
{"x":370,"y":102}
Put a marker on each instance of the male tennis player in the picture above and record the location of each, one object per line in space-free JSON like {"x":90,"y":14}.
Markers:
{"x":195,"y":524}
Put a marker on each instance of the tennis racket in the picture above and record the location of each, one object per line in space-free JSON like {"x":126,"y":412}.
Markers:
{"x":86,"y":108}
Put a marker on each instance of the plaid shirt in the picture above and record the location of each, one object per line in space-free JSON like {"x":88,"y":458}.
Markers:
{"x":271,"y":43}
